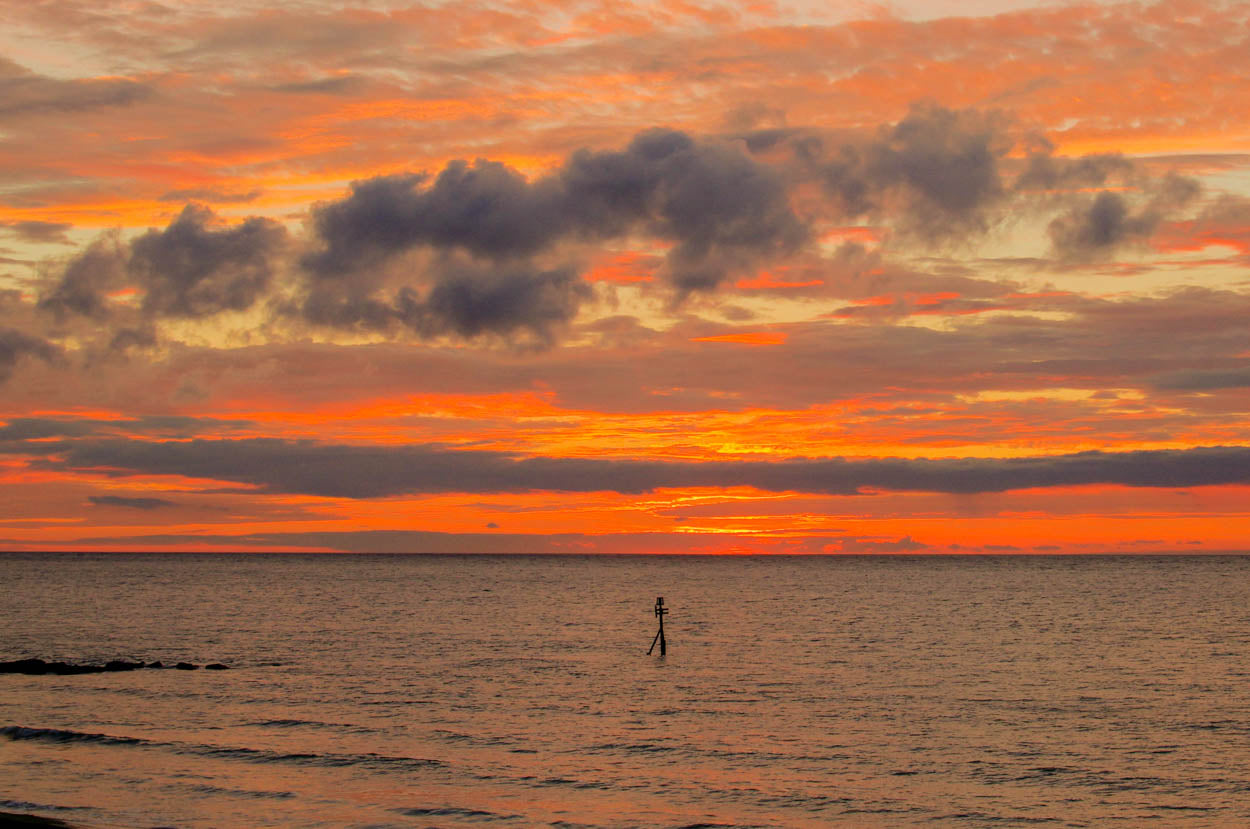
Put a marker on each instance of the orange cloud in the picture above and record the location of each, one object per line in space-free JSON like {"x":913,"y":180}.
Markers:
{"x":746,"y":338}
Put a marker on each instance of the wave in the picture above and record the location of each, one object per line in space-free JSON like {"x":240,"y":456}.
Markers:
{"x":27,"y":806}
{"x":205,"y":788}
{"x":312,"y":724}
{"x":57,"y":735}
{"x":452,"y":811}
{"x":379,"y":762}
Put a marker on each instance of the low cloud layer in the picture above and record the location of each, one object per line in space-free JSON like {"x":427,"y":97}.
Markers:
{"x":350,"y":471}
{"x":145,"y":504}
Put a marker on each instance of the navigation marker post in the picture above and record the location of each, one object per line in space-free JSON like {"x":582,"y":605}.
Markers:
{"x":660,"y":610}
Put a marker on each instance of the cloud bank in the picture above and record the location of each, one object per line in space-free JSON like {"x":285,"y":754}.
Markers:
{"x":347,"y":471}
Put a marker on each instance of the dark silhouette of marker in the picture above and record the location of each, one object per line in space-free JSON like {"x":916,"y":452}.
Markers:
{"x":660,"y":610}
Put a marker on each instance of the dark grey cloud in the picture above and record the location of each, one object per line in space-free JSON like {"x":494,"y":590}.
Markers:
{"x":86,"y":279}
{"x":485,"y":208}
{"x":875,"y":546}
{"x":353,"y":471}
{"x":1205,"y":379}
{"x":1109,"y":220}
{"x":190,"y":269}
{"x":939,"y":168}
{"x":129,"y":503}
{"x":724,"y":210}
{"x":1046,"y":172}
{"x":939,"y":175}
{"x":469,"y":301}
{"x":14,"y":345}
{"x":126,"y":338}
{"x":37,"y":428}
{"x":720,"y":208}
{"x":462,"y":298}
{"x":211,"y":195}
{"x":23,"y":92}
{"x":1100,"y":225}
{"x":168,"y":426}
{"x":33,"y":231}
{"x":338,"y":85}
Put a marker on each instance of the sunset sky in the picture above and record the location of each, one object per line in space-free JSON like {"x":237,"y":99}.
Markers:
{"x":546,"y":276}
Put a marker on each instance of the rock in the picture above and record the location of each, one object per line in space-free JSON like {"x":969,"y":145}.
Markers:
{"x":122,"y":665}
{"x":24,"y":666}
{"x":37,"y":667}
{"x":64,"y":669}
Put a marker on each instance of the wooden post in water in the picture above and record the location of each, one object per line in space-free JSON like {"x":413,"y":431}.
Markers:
{"x":660,"y":610}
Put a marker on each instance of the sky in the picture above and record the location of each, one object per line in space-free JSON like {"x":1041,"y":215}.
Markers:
{"x":553,"y":276}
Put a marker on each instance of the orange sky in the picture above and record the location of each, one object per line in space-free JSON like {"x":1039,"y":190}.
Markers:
{"x":627,"y":277}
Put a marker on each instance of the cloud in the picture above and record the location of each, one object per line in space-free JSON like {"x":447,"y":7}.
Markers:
{"x":1098,"y":226}
{"x":338,"y":85}
{"x":190,"y":269}
{"x":34,"y":231}
{"x":484,"y":208}
{"x":492,"y":543}
{"x":126,"y":338}
{"x":130,"y":503}
{"x":468,"y":301}
{"x":1225,"y":222}
{"x":1046,"y":172}
{"x":937,"y":168}
{"x":85,"y":280}
{"x":168,"y":426}
{"x":1205,"y":379}
{"x":874,"y":546}
{"x":23,"y":92}
{"x":1107,"y":220}
{"x":354,"y":471}
{"x":721,"y":209}
{"x":213,"y":195}
{"x":461,"y":298}
{"x":14,"y":345}
{"x":37,"y":428}
{"x":938,"y":175}
{"x":724,"y":210}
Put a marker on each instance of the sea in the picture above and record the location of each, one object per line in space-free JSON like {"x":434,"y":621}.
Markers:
{"x":516,"y":691}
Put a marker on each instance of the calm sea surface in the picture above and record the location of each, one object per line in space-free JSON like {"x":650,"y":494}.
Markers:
{"x":415,"y":691}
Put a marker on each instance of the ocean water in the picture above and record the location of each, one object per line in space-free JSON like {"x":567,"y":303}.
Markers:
{"x":415,"y":691}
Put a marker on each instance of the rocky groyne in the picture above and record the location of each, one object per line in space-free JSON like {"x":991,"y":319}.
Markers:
{"x":37,"y":667}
